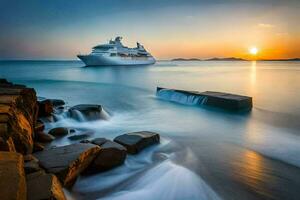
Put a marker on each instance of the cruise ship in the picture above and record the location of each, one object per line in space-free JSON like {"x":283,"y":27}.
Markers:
{"x":114,"y":53}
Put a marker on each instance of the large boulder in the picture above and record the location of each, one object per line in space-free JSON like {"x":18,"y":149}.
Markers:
{"x":67,"y":162}
{"x":111,"y":155}
{"x":43,"y":137}
{"x":44,"y":186}
{"x":137,"y":141}
{"x":85,"y":112}
{"x":18,"y":115}
{"x":7,"y":145}
{"x":12,"y":176}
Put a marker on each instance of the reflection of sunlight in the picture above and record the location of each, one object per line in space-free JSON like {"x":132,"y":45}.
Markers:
{"x":253,"y":73}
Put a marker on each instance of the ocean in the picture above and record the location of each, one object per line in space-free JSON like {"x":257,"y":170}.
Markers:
{"x":204,"y":153}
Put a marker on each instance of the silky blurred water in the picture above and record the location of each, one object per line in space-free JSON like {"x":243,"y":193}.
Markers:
{"x":204,"y":153}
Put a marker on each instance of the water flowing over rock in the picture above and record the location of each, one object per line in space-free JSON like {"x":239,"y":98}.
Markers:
{"x":221,"y":100}
{"x":12,"y":176}
{"x":111,"y":155}
{"x":43,"y":186}
{"x":137,"y":141}
{"x":67,"y":162}
{"x":18,"y":115}
{"x":87,"y":112}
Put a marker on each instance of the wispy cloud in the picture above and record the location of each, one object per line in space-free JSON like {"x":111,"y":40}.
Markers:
{"x":264,"y":25}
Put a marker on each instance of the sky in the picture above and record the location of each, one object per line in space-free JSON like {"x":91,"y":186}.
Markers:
{"x":61,"y":29}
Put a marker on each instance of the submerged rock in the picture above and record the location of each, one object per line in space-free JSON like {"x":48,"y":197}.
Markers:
{"x":111,"y":155}
{"x":137,"y":141}
{"x":59,"y":131}
{"x":67,"y":162}
{"x":226,"y":101}
{"x":41,"y":185}
{"x":85,"y":112}
{"x":12,"y":176}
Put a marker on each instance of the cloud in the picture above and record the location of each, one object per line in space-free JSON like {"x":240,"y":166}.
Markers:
{"x":263,"y":25}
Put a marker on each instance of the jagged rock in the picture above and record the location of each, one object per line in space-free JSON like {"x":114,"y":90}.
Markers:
{"x":67,"y":162}
{"x":88,"y":112}
{"x":7,"y":145}
{"x":137,"y":141}
{"x":111,"y":155}
{"x":59,"y":131}
{"x":38,"y":147}
{"x":44,"y":186}
{"x":45,"y":108}
{"x":12,"y":176}
{"x":43,"y":137}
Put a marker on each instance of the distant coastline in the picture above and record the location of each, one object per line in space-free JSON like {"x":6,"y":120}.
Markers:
{"x":231,"y":59}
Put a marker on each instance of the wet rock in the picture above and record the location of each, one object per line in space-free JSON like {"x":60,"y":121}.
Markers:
{"x":7,"y":145}
{"x":38,"y":147}
{"x":67,"y":162}
{"x":137,"y":141}
{"x":84,"y":112}
{"x":29,"y":157}
{"x":44,"y":186}
{"x":59,"y":131}
{"x":111,"y":155}
{"x":43,"y":137}
{"x":39,"y":126}
{"x":45,"y":108}
{"x":31,"y":166}
{"x":57,"y":102}
{"x":12,"y":176}
{"x":78,"y":136}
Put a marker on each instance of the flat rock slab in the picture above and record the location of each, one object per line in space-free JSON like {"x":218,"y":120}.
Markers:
{"x":137,"y":141}
{"x":111,"y":155}
{"x":12,"y":176}
{"x":41,"y":185}
{"x":226,"y":101}
{"x":67,"y":162}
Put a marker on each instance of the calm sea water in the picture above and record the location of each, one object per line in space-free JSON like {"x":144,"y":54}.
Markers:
{"x":204,"y":153}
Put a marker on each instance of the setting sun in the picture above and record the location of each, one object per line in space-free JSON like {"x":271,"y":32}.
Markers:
{"x":253,"y":50}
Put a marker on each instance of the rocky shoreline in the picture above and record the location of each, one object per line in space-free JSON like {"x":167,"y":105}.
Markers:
{"x":30,"y":169}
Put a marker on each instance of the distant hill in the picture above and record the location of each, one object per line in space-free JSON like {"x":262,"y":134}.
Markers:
{"x":186,"y":59}
{"x":288,"y":59}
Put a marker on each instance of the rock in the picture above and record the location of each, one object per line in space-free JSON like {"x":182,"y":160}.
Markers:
{"x":67,"y":162}
{"x":136,"y":141}
{"x":45,"y":108}
{"x":12,"y":176}
{"x":44,"y":186}
{"x":31,"y":167}
{"x":78,"y":136}
{"x":39,"y":126}
{"x":43,"y":137}
{"x":84,"y":112}
{"x":38,"y":147}
{"x":18,"y":114}
{"x":59,"y":131}
{"x":57,"y":102}
{"x":111,"y":155}
{"x":29,"y":157}
{"x":7,"y":145}
{"x":226,"y":101}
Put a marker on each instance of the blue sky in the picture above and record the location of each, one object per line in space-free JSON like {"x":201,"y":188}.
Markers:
{"x":49,"y":29}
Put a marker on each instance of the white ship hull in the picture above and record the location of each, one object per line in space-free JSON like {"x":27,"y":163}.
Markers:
{"x":103,"y":60}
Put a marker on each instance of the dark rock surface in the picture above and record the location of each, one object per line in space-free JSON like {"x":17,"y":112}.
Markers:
{"x":31,"y":166}
{"x":88,"y":111}
{"x":59,"y":131}
{"x":67,"y":162}
{"x":41,"y":185}
{"x":38,"y":147}
{"x":137,"y":141}
{"x":111,"y":155}
{"x":39,"y":126}
{"x":43,"y":137}
{"x":12,"y":176}
{"x":7,"y":145}
{"x":57,"y":102}
{"x":45,"y":108}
